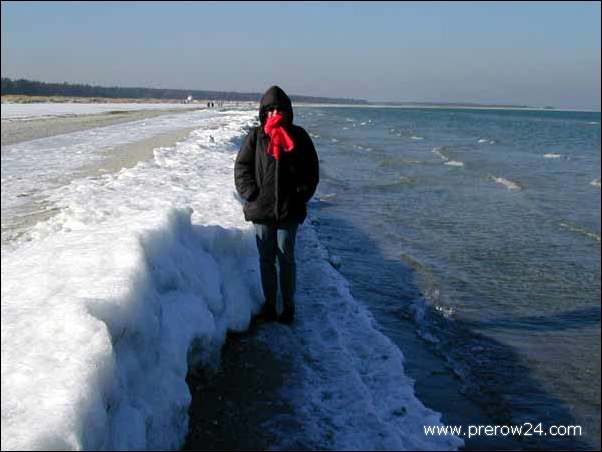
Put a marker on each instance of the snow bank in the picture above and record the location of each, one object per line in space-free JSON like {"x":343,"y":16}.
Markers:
{"x":108,"y":302}
{"x":45,"y":110}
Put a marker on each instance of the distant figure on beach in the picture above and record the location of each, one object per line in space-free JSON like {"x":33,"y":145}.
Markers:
{"x":276,"y":173}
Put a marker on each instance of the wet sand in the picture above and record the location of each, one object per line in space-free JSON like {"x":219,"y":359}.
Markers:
{"x":16,"y":131}
{"x":234,"y":405}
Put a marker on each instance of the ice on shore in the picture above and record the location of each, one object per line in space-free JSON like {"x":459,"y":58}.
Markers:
{"x":31,"y":169}
{"x":139,"y":275}
{"x":46,"y":110}
{"x":101,"y":305}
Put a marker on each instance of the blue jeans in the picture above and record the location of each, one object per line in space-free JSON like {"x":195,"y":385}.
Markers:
{"x":277,"y":241}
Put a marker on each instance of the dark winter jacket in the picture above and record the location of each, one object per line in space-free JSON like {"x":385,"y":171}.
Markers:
{"x":276,"y":191}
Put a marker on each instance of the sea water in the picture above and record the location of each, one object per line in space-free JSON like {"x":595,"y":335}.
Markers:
{"x":480,"y":230}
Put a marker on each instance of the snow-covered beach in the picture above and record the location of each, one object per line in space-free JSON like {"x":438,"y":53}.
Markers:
{"x":136,"y":276}
{"x":26,"y":122}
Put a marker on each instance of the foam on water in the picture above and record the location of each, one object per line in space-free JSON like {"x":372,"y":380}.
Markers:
{"x":447,"y":161}
{"x":454,"y":163}
{"x":552,"y":155}
{"x":595,"y":183}
{"x":437,"y":151}
{"x":141,"y":274}
{"x":580,"y":230}
{"x":400,"y":162}
{"x":510,"y":185}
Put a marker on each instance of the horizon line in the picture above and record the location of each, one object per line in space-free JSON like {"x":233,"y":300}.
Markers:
{"x":367,"y":101}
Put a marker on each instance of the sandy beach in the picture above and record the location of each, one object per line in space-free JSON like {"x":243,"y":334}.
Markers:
{"x":128,"y":155}
{"x":16,"y":131}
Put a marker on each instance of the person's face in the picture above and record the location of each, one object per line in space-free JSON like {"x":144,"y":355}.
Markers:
{"x":284,"y":113}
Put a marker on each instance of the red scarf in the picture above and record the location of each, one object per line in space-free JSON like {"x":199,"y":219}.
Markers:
{"x":278,"y":136}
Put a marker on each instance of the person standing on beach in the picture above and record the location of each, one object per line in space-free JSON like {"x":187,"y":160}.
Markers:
{"x":276,"y":173}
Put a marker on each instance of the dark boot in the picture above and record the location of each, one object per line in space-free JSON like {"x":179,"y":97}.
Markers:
{"x":288,"y":314}
{"x":268,"y":312}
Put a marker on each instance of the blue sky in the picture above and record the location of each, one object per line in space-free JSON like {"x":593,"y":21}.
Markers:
{"x":535,"y":53}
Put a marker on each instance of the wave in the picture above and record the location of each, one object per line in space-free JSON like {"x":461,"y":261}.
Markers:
{"x":552,"y":155}
{"x":405,"y":133}
{"x":454,"y":163}
{"x":395,"y":162}
{"x":510,"y":185}
{"x":580,"y":230}
{"x":486,"y":140}
{"x":595,"y":183}
{"x":401,"y":182}
{"x":437,"y":151}
{"x":447,"y":161}
{"x":327,"y":196}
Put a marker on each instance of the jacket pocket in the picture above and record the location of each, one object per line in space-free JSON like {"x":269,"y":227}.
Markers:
{"x":258,"y":209}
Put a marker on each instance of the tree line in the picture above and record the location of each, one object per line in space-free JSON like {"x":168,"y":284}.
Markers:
{"x":37,"y":88}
